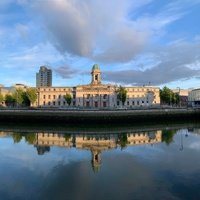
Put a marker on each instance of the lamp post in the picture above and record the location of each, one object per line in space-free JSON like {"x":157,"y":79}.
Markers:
{"x":179,"y":90}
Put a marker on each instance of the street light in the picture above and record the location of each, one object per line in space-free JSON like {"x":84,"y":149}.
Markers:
{"x":179,"y":90}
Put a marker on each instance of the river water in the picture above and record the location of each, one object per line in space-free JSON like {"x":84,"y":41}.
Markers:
{"x":154,"y":163}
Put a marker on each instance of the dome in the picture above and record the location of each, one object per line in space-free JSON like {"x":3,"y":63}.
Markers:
{"x":95,"y":67}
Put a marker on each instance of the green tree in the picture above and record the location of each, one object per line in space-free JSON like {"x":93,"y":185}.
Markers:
{"x":68,"y":98}
{"x":9,"y":100}
{"x":18,"y":96}
{"x":121,"y":94}
{"x":167,"y":96}
{"x":32,"y":95}
{"x":1,"y":98}
{"x":26,"y":100}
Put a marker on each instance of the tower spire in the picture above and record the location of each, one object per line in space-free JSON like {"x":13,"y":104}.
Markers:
{"x":96,"y":74}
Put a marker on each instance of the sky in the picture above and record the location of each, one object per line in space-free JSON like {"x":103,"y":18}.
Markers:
{"x":135,"y":42}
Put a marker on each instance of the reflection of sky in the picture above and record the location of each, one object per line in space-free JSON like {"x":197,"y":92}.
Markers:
{"x":157,"y":171}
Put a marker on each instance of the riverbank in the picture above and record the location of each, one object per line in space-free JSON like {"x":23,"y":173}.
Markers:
{"x":99,"y":116}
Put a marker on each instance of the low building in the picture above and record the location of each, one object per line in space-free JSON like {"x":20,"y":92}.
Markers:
{"x":194,"y":98}
{"x":183,"y":94}
{"x":97,"y":95}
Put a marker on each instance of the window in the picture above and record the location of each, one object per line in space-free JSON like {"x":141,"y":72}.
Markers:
{"x":49,"y":103}
{"x":54,"y":103}
{"x":49,"y":96}
{"x":44,"y":96}
{"x":54,"y":96}
{"x":44,"y":103}
{"x":96,"y":77}
{"x":127,"y":103}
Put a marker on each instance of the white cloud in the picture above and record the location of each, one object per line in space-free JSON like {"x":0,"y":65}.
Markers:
{"x":93,"y":29}
{"x":103,"y":30}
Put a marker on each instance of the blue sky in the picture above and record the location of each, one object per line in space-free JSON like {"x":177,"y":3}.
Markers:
{"x":134,"y":42}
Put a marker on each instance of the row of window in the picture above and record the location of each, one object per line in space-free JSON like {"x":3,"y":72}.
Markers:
{"x":135,"y":103}
{"x":96,"y":96}
{"x":54,"y":96}
{"x":59,"y":103}
{"x":141,"y":89}
{"x":55,"y":89}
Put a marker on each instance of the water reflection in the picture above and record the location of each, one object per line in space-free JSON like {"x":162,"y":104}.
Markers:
{"x":95,"y":143}
{"x":47,"y":165}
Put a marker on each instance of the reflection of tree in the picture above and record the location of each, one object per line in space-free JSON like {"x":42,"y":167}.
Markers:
{"x":17,"y":137}
{"x":30,"y":138}
{"x":42,"y":149}
{"x":167,"y":136}
{"x":122,"y":140}
{"x":67,"y":137}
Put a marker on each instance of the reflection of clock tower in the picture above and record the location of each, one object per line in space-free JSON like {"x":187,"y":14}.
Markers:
{"x":96,"y":160}
{"x":96,"y":74}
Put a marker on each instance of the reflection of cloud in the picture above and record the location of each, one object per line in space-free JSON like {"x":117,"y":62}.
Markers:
{"x":195,"y":145}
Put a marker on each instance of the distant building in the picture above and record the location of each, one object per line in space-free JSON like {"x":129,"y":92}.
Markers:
{"x":44,"y":77}
{"x":183,"y":94}
{"x":194,"y":98}
{"x":97,"y":95}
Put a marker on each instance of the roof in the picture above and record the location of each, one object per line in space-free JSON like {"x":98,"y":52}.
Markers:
{"x":95,"y":67}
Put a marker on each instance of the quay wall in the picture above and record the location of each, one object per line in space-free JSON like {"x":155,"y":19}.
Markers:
{"x":99,"y":116}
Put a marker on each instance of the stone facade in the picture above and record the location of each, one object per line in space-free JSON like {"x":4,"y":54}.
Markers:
{"x":97,"y":95}
{"x":194,"y":98}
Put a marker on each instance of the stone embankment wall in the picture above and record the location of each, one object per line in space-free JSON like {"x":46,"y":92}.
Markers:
{"x":101,"y":117}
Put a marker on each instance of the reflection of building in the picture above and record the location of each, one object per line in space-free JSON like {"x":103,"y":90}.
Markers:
{"x":44,"y":77}
{"x":94,"y":143}
{"x":3,"y":134}
{"x":97,"y":95}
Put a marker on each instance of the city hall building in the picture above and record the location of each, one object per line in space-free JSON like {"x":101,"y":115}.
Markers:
{"x":97,"y":95}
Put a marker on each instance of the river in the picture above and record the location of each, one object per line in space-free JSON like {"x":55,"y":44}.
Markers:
{"x":160,"y":162}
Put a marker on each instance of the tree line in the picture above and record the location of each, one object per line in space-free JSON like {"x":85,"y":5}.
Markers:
{"x":20,"y":97}
{"x":167,"y":96}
